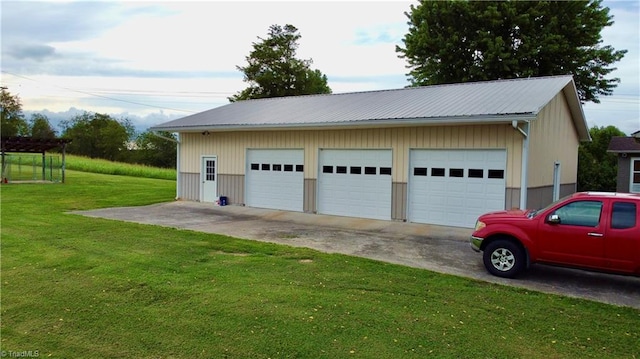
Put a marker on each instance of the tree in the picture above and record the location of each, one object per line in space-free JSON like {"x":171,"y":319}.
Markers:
{"x":39,"y":127}
{"x":156,"y":151}
{"x":13,"y":123}
{"x":462,"y":41}
{"x":273,"y":70}
{"x":598,"y":169}
{"x":99,"y":136}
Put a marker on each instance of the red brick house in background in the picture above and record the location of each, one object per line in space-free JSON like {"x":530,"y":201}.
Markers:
{"x":628,"y":152}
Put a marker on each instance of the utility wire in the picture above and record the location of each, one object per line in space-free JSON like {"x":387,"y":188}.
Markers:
{"x":96,"y":95}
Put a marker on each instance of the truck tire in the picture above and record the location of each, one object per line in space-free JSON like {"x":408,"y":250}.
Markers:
{"x":504,"y":258}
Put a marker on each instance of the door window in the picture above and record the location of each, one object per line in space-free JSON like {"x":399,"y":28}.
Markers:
{"x":580,"y":213}
{"x":211,"y":170}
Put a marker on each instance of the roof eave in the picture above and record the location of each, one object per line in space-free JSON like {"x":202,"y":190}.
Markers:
{"x":575,"y":106}
{"x":623,"y":151}
{"x":433,"y":121}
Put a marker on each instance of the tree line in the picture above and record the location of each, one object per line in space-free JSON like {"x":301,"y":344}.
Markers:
{"x":93,"y":135}
{"x":447,"y":42}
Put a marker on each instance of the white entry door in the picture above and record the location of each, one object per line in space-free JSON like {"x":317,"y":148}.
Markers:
{"x":209,"y":177}
{"x":454,"y":187}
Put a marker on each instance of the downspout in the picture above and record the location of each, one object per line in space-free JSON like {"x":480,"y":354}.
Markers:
{"x":155,"y":133}
{"x":178,"y":187}
{"x":525,"y":161}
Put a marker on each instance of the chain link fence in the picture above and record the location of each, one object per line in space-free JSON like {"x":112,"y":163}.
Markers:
{"x":31,"y":168}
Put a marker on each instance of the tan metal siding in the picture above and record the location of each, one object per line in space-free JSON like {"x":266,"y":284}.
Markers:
{"x":553,"y":137}
{"x":541,"y":196}
{"x":309,"y":196}
{"x":189,"y":186}
{"x":231,"y":186}
{"x":399,"y":201}
{"x":230,"y":147}
{"x":512,"y":198}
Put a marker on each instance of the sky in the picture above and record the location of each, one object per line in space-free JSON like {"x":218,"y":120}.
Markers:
{"x":154,"y":61}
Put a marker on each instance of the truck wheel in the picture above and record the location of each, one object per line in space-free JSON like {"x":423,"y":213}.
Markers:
{"x":504,"y":258}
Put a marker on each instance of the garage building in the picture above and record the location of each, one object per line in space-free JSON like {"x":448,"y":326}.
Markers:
{"x":436,"y":154}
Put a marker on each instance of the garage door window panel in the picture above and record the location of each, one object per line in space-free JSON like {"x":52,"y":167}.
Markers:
{"x":496,"y":174}
{"x":385,"y":171}
{"x":437,"y":172}
{"x":476,"y":173}
{"x":456,"y":172}
{"x":420,"y":171}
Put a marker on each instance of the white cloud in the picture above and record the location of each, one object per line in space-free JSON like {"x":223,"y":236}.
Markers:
{"x":183,"y":55}
{"x":622,"y":109}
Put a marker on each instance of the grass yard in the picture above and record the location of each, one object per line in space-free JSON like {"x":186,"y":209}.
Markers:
{"x":97,"y":165}
{"x":77,"y":287}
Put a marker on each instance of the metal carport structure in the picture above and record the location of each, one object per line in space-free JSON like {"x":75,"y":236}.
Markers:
{"x":20,"y":144}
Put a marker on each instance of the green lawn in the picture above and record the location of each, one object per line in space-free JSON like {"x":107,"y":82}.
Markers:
{"x":78,"y":287}
{"x":98,"y":165}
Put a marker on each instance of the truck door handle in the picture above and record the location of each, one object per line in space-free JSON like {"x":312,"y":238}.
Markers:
{"x":594,"y":234}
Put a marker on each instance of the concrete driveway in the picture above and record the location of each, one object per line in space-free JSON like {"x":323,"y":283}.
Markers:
{"x":436,"y":248}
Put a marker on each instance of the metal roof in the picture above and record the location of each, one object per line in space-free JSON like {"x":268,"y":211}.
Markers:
{"x":473,"y":102}
{"x":31,"y":144}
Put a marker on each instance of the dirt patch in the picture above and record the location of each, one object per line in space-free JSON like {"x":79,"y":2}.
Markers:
{"x":235,"y":254}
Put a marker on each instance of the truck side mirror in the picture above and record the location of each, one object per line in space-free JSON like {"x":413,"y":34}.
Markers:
{"x":554,"y":219}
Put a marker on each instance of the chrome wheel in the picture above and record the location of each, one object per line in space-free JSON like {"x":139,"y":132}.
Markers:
{"x":502,"y":259}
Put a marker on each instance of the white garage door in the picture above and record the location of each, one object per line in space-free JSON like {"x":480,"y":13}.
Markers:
{"x":454,"y":187}
{"x":275,"y":179}
{"x":355,"y":183}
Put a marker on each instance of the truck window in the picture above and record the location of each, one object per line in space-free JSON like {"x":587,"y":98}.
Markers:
{"x":623,"y":215}
{"x":580,"y":213}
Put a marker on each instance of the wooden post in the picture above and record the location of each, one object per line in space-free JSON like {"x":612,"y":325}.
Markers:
{"x":64,"y":149}
{"x":3,"y":179}
{"x":44,"y":166}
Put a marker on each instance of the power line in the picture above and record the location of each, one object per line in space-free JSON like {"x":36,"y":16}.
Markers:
{"x":165,"y":93}
{"x":101,"y":96}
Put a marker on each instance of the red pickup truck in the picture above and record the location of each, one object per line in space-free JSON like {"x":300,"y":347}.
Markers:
{"x":589,"y":230}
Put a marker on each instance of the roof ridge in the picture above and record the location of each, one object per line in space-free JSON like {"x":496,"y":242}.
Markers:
{"x":459,"y":84}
